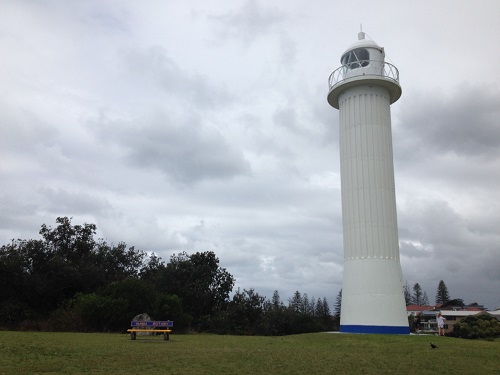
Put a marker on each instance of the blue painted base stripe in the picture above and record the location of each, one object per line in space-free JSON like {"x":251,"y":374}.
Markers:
{"x":404,"y":330}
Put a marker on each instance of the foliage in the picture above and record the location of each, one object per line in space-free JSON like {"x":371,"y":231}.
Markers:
{"x":454,"y":302}
{"x":100,"y":313}
{"x":442,"y":295}
{"x":417,"y":294}
{"x":425,"y":299}
{"x":407,"y":294}
{"x":139,"y":297}
{"x":42,"y":274}
{"x":169,"y":307}
{"x":70,"y":281}
{"x":243,"y":314}
{"x":203,"y":285}
{"x":248,"y":313}
{"x":277,"y":317}
{"x":480,"y":326}
{"x":322,"y":311}
{"x":154,"y":272}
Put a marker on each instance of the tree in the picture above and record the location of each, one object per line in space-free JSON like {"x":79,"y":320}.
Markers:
{"x":15,"y":267}
{"x":70,"y":242}
{"x":322,"y":309}
{"x":83,"y":263}
{"x":319,"y":308}
{"x":43,"y":274}
{"x":277,"y":318}
{"x":322,"y":313}
{"x":99,"y":312}
{"x":254,"y":307}
{"x":200,"y":282}
{"x":307,"y":307}
{"x":119,"y":262}
{"x":154,"y":272}
{"x":69,"y":280}
{"x":417,"y":294}
{"x":326,"y":308}
{"x":139,"y":295}
{"x":295,"y":303}
{"x":407,"y":294}
{"x":244,"y":313}
{"x":169,"y":307}
{"x":454,"y":302}
{"x":425,"y":299}
{"x":276,"y":300}
{"x":442,"y":295}
{"x":477,"y":327}
{"x":301,"y":318}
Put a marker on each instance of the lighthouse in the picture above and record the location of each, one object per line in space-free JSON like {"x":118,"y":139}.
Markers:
{"x":363,"y":89}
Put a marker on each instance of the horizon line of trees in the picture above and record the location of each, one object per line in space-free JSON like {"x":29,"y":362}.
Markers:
{"x":69,"y":281}
{"x":419,"y":296}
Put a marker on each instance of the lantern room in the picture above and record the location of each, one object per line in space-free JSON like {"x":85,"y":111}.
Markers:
{"x":363,"y":63}
{"x":363,"y":54}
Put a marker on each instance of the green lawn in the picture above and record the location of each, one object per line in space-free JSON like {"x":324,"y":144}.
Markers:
{"x":319,"y":353}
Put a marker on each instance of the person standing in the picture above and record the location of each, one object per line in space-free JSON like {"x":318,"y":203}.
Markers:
{"x":440,"y":322}
{"x":417,"y":323}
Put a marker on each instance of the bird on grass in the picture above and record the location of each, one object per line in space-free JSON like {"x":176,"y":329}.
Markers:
{"x":433,"y":346}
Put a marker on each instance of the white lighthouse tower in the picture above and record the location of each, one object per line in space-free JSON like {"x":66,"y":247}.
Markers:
{"x":363,"y":89}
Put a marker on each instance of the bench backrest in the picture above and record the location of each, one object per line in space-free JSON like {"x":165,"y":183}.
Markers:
{"x":155,"y":323}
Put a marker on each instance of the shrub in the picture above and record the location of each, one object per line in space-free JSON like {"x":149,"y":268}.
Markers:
{"x":481,"y":326}
{"x":101,"y":313}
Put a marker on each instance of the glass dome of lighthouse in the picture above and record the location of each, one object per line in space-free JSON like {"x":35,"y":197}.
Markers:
{"x":361,"y":53}
{"x":363,"y":63}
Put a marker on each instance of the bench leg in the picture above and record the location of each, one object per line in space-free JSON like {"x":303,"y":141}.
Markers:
{"x":166,"y":336}
{"x":133,"y":335}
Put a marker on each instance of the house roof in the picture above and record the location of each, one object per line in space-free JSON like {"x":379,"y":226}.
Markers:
{"x":459,"y":313}
{"x":418,"y":307}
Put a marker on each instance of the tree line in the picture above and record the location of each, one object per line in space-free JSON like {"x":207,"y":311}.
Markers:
{"x":70,"y":281}
{"x":419,"y":296}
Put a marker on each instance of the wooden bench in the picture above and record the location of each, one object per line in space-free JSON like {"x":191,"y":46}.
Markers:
{"x":153,"y":327}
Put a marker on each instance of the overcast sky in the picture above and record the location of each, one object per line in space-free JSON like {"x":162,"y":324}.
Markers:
{"x":203,"y":126}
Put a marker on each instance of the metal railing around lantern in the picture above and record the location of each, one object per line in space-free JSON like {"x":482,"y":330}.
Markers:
{"x":363,"y":68}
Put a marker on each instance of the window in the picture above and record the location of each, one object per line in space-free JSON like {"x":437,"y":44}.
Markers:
{"x":356,"y":58}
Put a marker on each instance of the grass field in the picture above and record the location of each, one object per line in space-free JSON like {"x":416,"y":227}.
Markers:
{"x":319,"y":353}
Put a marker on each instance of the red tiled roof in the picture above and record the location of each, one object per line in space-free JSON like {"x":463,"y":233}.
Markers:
{"x":419,"y":308}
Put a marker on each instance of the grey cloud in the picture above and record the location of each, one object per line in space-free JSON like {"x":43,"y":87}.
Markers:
{"x":185,"y":152}
{"x":288,"y":50}
{"x":109,"y":19}
{"x":413,"y":250}
{"x":435,"y":225}
{"x":65,"y":202}
{"x":248,"y":22}
{"x":438,"y":242}
{"x":465,"y":123}
{"x":23,"y":130}
{"x":156,"y":69}
{"x":17,"y":209}
{"x":446,"y":158}
{"x":24,"y":210}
